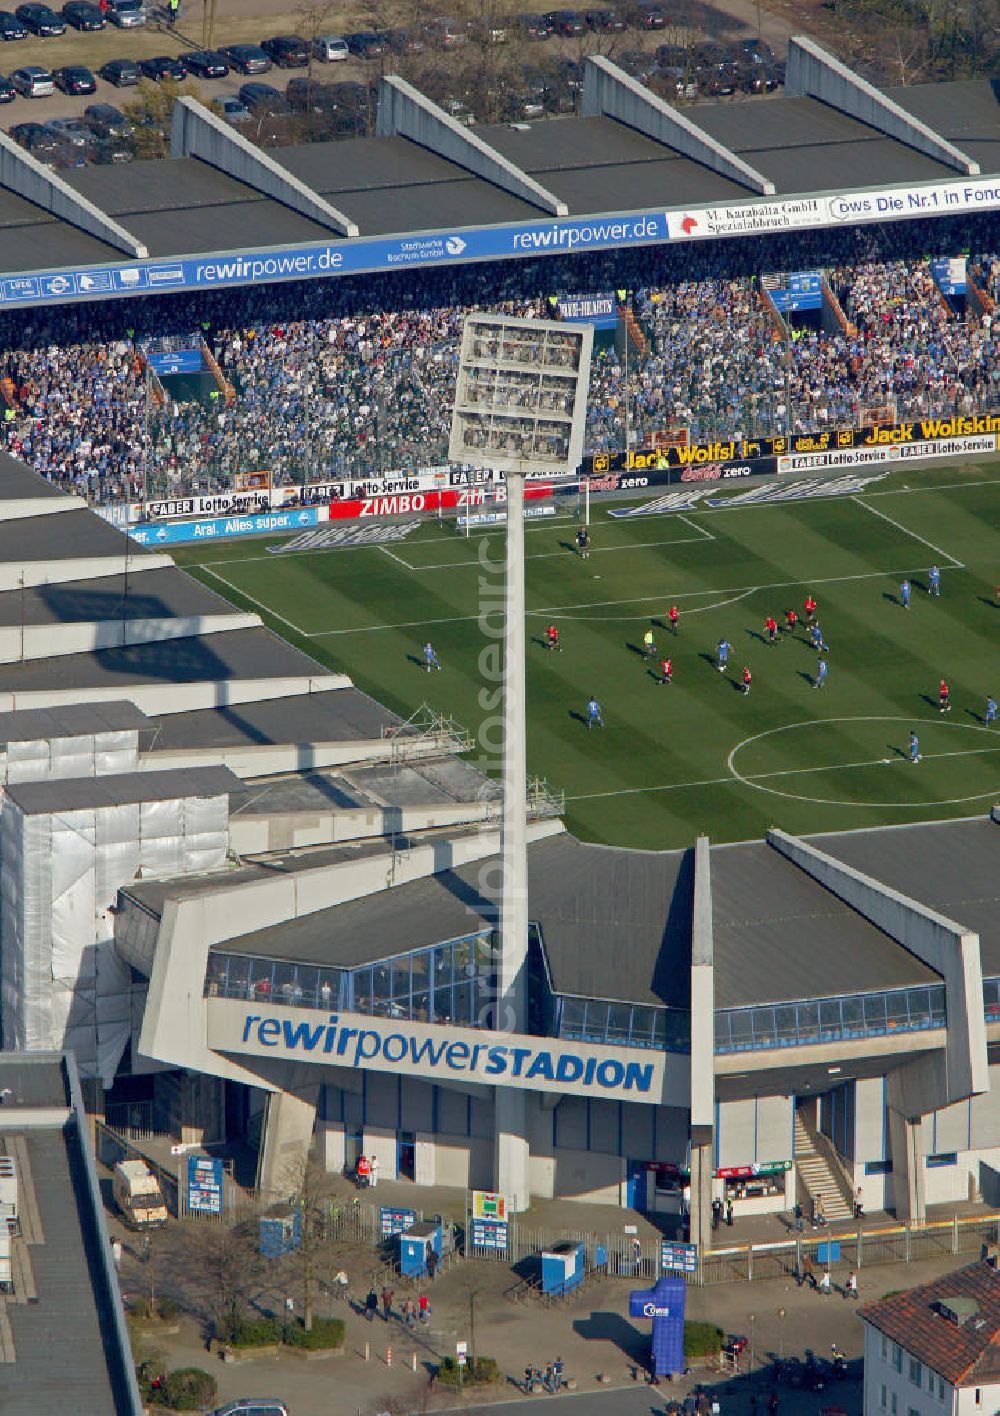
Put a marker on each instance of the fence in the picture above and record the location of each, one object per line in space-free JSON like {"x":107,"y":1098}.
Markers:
{"x":132,"y":1119}
{"x":110,"y":1148}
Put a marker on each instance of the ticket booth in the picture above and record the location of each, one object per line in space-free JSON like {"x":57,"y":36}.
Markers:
{"x":413,"y":1248}
{"x":562,"y":1267}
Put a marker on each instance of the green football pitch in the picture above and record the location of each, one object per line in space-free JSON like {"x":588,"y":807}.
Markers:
{"x":697,"y":755}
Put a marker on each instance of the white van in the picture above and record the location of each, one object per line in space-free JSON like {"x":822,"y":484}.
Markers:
{"x":331,"y":49}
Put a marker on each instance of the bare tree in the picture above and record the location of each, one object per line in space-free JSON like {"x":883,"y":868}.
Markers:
{"x":306,"y":1184}
{"x":225,"y":1266}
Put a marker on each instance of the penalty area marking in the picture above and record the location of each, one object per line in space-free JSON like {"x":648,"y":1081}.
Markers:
{"x":245,"y":595}
{"x":944,"y":555}
{"x":758,"y":780}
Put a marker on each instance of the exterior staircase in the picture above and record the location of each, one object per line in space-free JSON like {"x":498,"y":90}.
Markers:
{"x":817,"y":1176}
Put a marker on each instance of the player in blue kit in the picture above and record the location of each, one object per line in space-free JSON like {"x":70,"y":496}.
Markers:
{"x":819,"y":643}
{"x":991,"y":710}
{"x":914,"y":748}
{"x":934,"y":581}
{"x":904,"y":594}
{"x":821,"y":672}
{"x":723,"y":649}
{"x":595,"y":718}
{"x":430,"y":658}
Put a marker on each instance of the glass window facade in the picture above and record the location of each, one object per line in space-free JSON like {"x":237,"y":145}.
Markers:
{"x":448,"y":983}
{"x":830,"y":1019}
{"x":624,"y":1024}
{"x":991,"y":999}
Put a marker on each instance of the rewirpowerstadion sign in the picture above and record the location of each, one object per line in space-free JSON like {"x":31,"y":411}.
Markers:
{"x":361,"y":255}
{"x":442,"y":1053}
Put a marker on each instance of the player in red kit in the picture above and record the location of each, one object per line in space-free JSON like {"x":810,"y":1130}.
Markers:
{"x":552,"y":638}
{"x":944,"y":697}
{"x":747,"y":678}
{"x":666,"y":671}
{"x":809,"y":605}
{"x":673,"y":616}
{"x":771,"y":626}
{"x":791,"y":620}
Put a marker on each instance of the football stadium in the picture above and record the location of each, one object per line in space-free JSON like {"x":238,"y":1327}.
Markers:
{"x":253,"y":843}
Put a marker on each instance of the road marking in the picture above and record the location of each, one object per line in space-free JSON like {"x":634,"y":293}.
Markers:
{"x":957,"y":564}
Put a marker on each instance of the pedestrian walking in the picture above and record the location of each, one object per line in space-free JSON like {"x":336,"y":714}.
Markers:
{"x":373,"y":1171}
{"x":387,"y":1297}
{"x":819,"y":1212}
{"x":362,"y":1172}
{"x":729,"y":1214}
{"x":116,"y":1251}
{"x":825,"y":1284}
{"x":808,"y":1271}
{"x":432,"y":1262}
{"x":371,"y":1305}
{"x":409,"y":1311}
{"x":851,"y":1286}
{"x":859,"y":1203}
{"x":424,"y":1309}
{"x":716,"y":1212}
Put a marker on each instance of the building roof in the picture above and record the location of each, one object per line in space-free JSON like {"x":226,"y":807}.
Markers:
{"x":120,"y":789}
{"x":72,"y":535}
{"x":951,"y":867}
{"x":615,"y":924}
{"x":70,"y":720}
{"x":967,"y":1353}
{"x":779,"y":935}
{"x":71,"y":1350}
{"x":160,"y":593}
{"x":343,"y":716}
{"x":181,"y":206}
{"x":20,"y":483}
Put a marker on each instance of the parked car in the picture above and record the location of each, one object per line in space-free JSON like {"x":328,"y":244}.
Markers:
{"x":252,"y":1406}
{"x":448,"y":33}
{"x":365,"y":44}
{"x":566,"y":22}
{"x":73,"y":133}
{"x":163,"y":66}
{"x":11,"y":27}
{"x":74,"y":79}
{"x":107,"y":121}
{"x":263,"y":99}
{"x":33,"y":82}
{"x":127,"y":14}
{"x":206,"y":64}
{"x":310,"y":96}
{"x":403,"y":41}
{"x":331,"y":49}
{"x":83,"y":15}
{"x":36,"y":139}
{"x":40,"y":20}
{"x":650,"y":16}
{"x":246,"y":58}
{"x":534,"y":26}
{"x":8,"y":92}
{"x":757,"y":51}
{"x":112,"y":151}
{"x":288,"y":51}
{"x":233,"y":111}
{"x":123,"y":73}
{"x":606,"y":21}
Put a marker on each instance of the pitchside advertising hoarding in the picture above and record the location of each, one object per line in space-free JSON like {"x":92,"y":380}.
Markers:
{"x":358,"y":255}
{"x":442,"y":1053}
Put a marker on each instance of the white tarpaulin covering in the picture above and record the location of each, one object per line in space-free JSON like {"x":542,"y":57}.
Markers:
{"x":63,"y":984}
{"x":89,"y":755}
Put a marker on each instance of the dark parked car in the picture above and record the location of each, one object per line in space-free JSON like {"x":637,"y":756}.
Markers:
{"x":403,"y":41}
{"x":534,"y":26}
{"x":246,"y":58}
{"x":83,"y":15}
{"x":566,"y":22}
{"x":11,"y":27}
{"x":606,"y":21}
{"x":74,"y":78}
{"x":163,"y":67}
{"x":8,"y":92}
{"x":311,"y":96}
{"x":40,"y":20}
{"x":288,"y":51}
{"x":650,"y":17}
{"x":365,"y":44}
{"x":123,"y":73}
{"x":110,"y":151}
{"x":206,"y":64}
{"x":107,"y":121}
{"x":262,"y":99}
{"x":757,"y":51}
{"x":38,"y":140}
{"x":72,"y":133}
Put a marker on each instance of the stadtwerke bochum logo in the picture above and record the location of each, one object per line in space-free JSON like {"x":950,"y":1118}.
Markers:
{"x":454,"y":245}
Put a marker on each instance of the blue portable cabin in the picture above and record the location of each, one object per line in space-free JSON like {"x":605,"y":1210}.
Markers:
{"x":562,"y":1267}
{"x":413,"y":1244}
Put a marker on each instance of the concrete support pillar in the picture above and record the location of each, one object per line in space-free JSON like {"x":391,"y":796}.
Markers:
{"x":512,"y":1146}
{"x":701,"y":1194}
{"x":906,"y":1143}
{"x":287,"y":1135}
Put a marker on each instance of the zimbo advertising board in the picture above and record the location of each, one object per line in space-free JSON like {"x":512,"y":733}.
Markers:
{"x":443,"y":1053}
{"x":358,"y":255}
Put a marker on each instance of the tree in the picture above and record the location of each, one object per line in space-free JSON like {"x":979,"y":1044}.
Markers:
{"x":225,"y":1265}
{"x":306,"y":1183}
{"x":151,"y":112}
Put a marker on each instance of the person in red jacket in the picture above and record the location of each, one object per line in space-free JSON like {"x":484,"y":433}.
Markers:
{"x":674,"y":615}
{"x":944,"y":697}
{"x":771,"y":626}
{"x":363,"y":1171}
{"x":666,"y":671}
{"x":747,"y":678}
{"x":809,"y":605}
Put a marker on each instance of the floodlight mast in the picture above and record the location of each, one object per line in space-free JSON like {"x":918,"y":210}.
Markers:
{"x":520,"y":404}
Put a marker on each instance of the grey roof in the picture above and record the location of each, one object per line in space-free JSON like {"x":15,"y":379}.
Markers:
{"x":438,"y":781}
{"x":779,"y":935}
{"x":81,"y":793}
{"x":32,"y":1081}
{"x":952,"y":867}
{"x":65,"y":1358}
{"x":341,"y":716}
{"x":162,"y":593}
{"x":70,"y":720}
{"x":20,"y":483}
{"x":596,"y":165}
{"x":237,"y":654}
{"x":67,"y":535}
{"x":615,"y":924}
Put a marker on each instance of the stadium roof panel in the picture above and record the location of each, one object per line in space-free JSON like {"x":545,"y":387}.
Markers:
{"x":951,"y":867}
{"x":68,"y":536}
{"x":366,"y":163}
{"x":120,"y":789}
{"x":465,"y":202}
{"x":781,"y":936}
{"x":165,"y":593}
{"x":20,"y":483}
{"x":342,"y":716}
